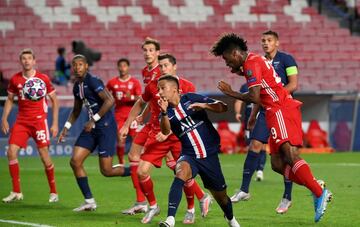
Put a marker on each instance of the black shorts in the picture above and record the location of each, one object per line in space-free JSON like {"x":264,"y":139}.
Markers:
{"x":209,"y":170}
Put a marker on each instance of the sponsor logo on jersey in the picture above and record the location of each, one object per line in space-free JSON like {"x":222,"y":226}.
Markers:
{"x":252,"y":79}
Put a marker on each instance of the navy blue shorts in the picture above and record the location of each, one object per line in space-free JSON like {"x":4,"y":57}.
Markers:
{"x":103,"y":138}
{"x":209,"y":170}
{"x":260,"y":131}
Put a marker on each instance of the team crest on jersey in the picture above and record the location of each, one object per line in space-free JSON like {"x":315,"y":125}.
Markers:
{"x":19,"y":86}
{"x":116,"y":86}
{"x":249,"y":73}
{"x":130,"y":85}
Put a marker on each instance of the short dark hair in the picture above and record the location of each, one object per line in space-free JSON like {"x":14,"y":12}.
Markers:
{"x":228,"y":41}
{"x":270,"y":32}
{"x":26,"y":51}
{"x":79,"y":56}
{"x":171,"y":79}
{"x":171,"y":58}
{"x":149,"y":40}
{"x":123,"y":60}
{"x":61,"y":50}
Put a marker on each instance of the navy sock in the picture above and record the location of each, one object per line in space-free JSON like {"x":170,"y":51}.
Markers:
{"x":84,"y":187}
{"x":262,"y":160}
{"x":126,"y":172}
{"x":175,"y":195}
{"x":288,"y":188}
{"x":228,"y":210}
{"x":250,"y":165}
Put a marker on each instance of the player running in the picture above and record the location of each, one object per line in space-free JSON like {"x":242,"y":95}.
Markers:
{"x":31,"y":121}
{"x":185,"y":116}
{"x":99,"y":132}
{"x":283,"y":116}
{"x":125,"y":90}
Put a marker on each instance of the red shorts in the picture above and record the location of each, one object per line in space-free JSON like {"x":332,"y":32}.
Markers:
{"x":37,"y":129}
{"x":120,"y":122}
{"x":285,"y":125}
{"x":155,"y":151}
{"x":142,"y":135}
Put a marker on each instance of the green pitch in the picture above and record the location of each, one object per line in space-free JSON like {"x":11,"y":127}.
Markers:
{"x":341,"y":172}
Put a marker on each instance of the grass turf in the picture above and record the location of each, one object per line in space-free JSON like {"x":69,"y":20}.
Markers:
{"x":339,"y":170}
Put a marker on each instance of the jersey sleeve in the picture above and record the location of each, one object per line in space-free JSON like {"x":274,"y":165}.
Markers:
{"x":252,"y":71}
{"x":12,"y":87}
{"x":200,"y":98}
{"x":137,"y":90}
{"x":49,"y":87}
{"x":290,"y":65}
{"x":96,"y":84}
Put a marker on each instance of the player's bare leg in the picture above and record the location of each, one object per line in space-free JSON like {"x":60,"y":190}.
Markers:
{"x":50,"y":173}
{"x":77,"y":160}
{"x":14,"y":170}
{"x":225,"y":203}
{"x":120,"y":149}
{"x":147,"y":188}
{"x":140,"y":206}
{"x":108,"y":170}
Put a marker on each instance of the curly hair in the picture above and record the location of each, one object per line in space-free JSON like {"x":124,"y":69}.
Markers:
{"x":228,"y":41}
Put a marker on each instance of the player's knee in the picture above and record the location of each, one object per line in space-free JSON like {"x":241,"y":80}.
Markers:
{"x":74,"y":163}
{"x":256,"y":146}
{"x":106,"y":172}
{"x":142,"y":174}
{"x":133,"y":155}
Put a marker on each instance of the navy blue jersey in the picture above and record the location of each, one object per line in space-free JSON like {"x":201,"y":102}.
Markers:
{"x":244,"y":88}
{"x":195,"y":131}
{"x":284,"y":65}
{"x":87,"y":91}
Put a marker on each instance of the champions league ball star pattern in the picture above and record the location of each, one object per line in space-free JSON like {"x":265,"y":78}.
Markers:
{"x":34,"y":89}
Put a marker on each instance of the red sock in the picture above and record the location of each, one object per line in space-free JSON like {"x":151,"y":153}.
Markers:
{"x":302,"y":171}
{"x":189,"y":192}
{"x":51,"y":178}
{"x":15,"y":175}
{"x":198,"y":191}
{"x":171,"y":164}
{"x":140,"y":197}
{"x":120,"y":151}
{"x":290,"y":175}
{"x":147,"y":188}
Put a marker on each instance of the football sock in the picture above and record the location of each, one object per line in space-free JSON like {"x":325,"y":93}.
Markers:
{"x":120,"y":151}
{"x":288,"y":188}
{"x":50,"y":174}
{"x":135,"y":180}
{"x":15,"y":175}
{"x":175,"y":196}
{"x":250,"y":165}
{"x":147,"y":188}
{"x":126,"y":172}
{"x":189,"y":192}
{"x":302,"y":171}
{"x":199,"y":193}
{"x":227,"y":209}
{"x":262,"y":160}
{"x":84,"y":187}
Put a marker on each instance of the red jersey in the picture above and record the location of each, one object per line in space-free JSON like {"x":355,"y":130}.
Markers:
{"x":124,"y":92}
{"x":258,"y":71}
{"x":29,"y":110}
{"x":151,"y":95}
{"x":149,"y":75}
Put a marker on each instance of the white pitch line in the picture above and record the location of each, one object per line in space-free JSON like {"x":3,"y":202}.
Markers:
{"x":24,"y":223}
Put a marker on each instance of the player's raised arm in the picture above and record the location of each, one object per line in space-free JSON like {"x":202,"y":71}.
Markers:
{"x":134,"y":112}
{"x":217,"y":106}
{"x":7,"y":108}
{"x":164,"y":121}
{"x":55,"y":112}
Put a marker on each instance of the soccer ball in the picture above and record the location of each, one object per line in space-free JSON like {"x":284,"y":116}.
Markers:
{"x":34,"y":89}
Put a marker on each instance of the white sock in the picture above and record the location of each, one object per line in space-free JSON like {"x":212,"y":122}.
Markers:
{"x":153,"y":206}
{"x":170,"y":220}
{"x":92,"y":200}
{"x":192,"y":210}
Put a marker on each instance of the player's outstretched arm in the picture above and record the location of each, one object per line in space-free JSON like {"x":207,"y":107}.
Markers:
{"x":217,"y":106}
{"x":238,"y":108}
{"x":252,"y":96}
{"x":252,"y":118}
{"x":72,"y":118}
{"x":55,"y":112}
{"x":7,"y":108}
